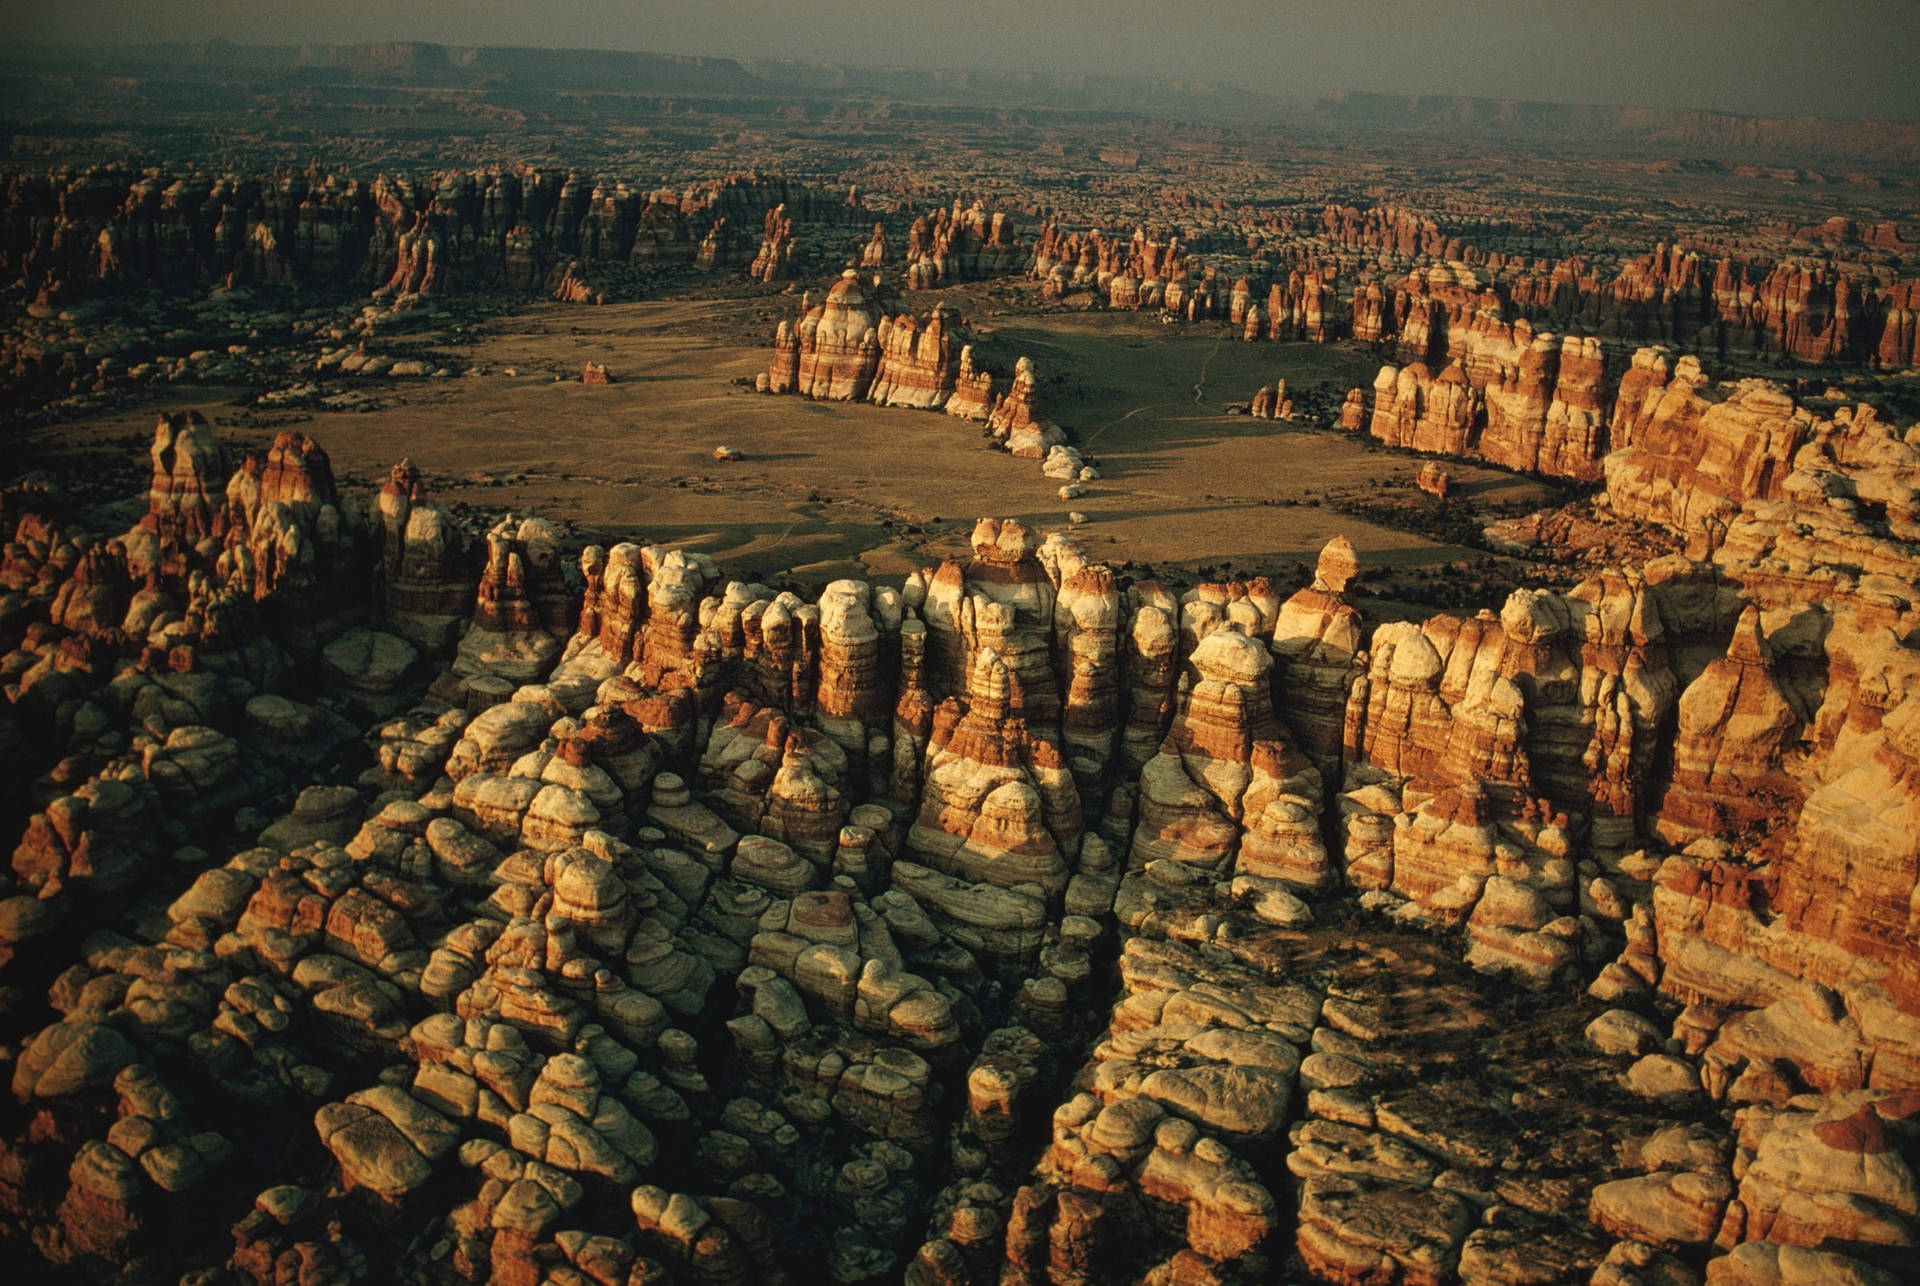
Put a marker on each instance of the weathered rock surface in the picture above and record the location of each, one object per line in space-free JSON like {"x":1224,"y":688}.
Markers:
{"x":837,"y":344}
{"x":782,"y":924}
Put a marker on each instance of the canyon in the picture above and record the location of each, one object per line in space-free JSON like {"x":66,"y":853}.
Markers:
{"x":723,"y":728}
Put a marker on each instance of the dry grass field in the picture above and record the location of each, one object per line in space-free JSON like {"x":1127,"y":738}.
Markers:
{"x":823,"y":489}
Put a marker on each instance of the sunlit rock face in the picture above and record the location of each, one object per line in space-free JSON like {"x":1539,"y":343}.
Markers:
{"x":1016,"y":420}
{"x":1020,"y":920}
{"x":838,"y":344}
{"x":919,"y":360}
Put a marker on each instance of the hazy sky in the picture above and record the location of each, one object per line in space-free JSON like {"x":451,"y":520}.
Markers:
{"x":1785,"y":57}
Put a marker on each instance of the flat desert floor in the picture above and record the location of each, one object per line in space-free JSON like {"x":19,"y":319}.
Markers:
{"x":831,"y":489}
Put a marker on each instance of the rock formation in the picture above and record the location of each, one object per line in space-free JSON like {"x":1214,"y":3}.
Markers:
{"x":424,"y":567}
{"x":953,"y":244}
{"x":1015,"y":421}
{"x":717,"y":931}
{"x":919,"y":363}
{"x":837,"y":344}
{"x":779,"y":250}
{"x":520,"y":609}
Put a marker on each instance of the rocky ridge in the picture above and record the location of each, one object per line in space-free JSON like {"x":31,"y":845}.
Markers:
{"x":1540,"y":320}
{"x":620,"y":920}
{"x":847,"y":348}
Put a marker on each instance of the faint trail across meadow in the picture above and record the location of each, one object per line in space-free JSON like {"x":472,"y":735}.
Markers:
{"x":1094,"y":436}
{"x":1200,"y":385}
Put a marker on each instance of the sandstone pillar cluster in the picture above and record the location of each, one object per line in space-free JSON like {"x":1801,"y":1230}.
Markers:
{"x":1017,"y":922}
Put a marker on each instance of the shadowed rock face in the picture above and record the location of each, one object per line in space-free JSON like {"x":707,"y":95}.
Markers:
{"x":1539,"y":314}
{"x":1015,"y":923}
{"x":1423,"y":279}
{"x":187,"y":466}
{"x":1485,"y":314}
{"x":408,"y":235}
{"x":424,"y":563}
{"x":521,"y":609}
